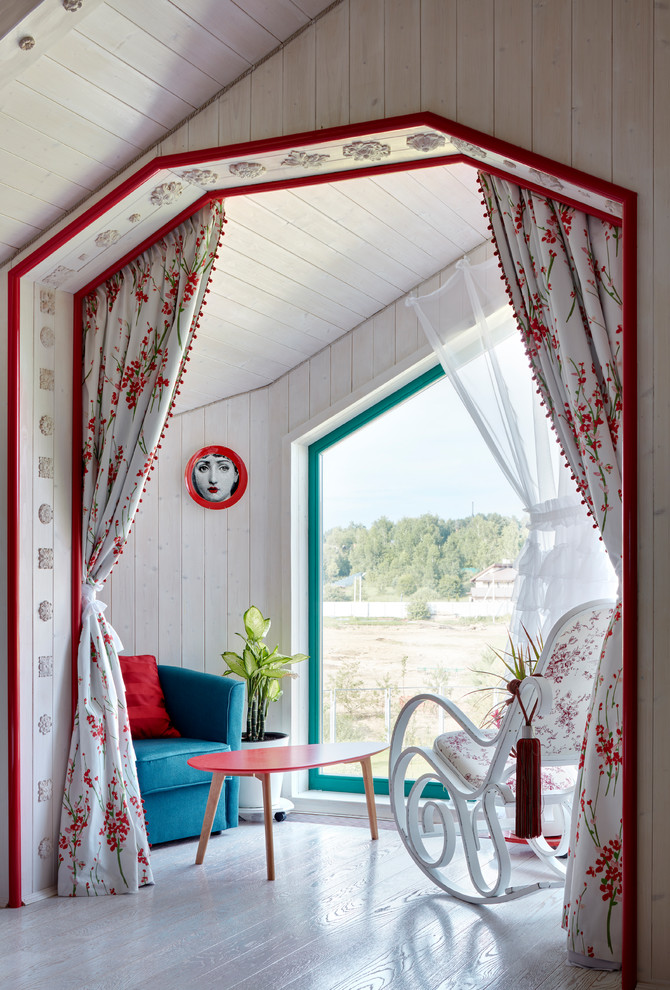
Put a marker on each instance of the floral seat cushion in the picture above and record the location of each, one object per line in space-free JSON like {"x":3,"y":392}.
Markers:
{"x":470,"y":762}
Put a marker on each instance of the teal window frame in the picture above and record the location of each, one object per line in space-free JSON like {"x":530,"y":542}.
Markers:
{"x":318,"y":780}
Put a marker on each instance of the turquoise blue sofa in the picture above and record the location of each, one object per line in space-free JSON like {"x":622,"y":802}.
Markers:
{"x":207,"y":711}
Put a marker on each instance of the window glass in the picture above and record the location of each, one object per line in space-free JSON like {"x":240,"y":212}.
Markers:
{"x":414,"y":532}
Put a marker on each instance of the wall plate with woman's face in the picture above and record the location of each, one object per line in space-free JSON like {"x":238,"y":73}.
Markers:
{"x":216,"y":477}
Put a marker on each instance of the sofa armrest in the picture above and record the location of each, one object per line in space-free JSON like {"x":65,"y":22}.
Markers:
{"x":203,"y":706}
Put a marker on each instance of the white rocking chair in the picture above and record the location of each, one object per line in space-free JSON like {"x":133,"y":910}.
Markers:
{"x":478,"y":772}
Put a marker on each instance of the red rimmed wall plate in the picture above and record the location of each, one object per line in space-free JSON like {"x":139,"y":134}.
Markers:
{"x":216,"y":477}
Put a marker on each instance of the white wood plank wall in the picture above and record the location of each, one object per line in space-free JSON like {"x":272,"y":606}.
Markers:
{"x":188,"y":573}
{"x":584,"y":83}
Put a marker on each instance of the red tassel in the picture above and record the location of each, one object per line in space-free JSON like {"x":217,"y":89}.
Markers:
{"x":528,"y":785}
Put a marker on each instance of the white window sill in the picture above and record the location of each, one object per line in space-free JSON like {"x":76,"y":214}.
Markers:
{"x":340,"y":803}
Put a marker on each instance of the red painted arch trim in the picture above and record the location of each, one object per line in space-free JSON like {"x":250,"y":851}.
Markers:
{"x":630,"y":610}
{"x":422,"y":119}
{"x":426,"y":119}
{"x":146,"y":243}
{"x":13,"y":672}
{"x":434,"y":162}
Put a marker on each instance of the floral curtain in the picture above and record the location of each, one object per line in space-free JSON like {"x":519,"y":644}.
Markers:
{"x":564,"y":275}
{"x":137,"y":327}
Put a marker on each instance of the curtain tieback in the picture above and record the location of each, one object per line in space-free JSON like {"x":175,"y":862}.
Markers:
{"x":91,"y":606}
{"x":89,"y":602}
{"x":564,"y":511}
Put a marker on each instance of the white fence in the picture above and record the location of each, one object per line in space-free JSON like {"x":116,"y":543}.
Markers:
{"x":351,"y":714}
{"x":500,"y":609}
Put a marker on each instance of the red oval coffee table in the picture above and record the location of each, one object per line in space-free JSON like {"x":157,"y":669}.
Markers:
{"x":281,"y":759}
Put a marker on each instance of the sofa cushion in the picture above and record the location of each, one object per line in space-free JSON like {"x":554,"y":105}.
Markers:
{"x":161,"y":763}
{"x":147,"y":711}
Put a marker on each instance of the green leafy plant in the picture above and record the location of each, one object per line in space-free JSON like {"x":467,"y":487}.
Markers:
{"x":519,"y":660}
{"x":262,"y":670}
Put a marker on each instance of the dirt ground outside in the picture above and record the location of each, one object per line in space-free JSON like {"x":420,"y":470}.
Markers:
{"x":372,"y":667}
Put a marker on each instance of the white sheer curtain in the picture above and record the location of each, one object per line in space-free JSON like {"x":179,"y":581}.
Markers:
{"x":472,"y":328}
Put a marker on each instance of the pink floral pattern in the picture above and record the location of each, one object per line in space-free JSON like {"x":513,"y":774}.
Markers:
{"x":138,"y":328}
{"x":472,"y":761}
{"x":564,"y":276}
{"x":571,"y":673}
{"x":568,"y":666}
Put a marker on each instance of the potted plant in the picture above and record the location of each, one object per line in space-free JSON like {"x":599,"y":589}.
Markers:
{"x":263,"y":671}
{"x":519,"y":660}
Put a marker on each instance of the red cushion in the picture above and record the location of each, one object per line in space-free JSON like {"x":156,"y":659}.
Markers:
{"x":147,"y":711}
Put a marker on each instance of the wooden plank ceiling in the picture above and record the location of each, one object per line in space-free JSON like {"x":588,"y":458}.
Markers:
{"x":297,"y":269}
{"x":106,"y":80}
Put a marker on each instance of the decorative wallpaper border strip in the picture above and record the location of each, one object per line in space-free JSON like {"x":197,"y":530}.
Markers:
{"x":44,"y":839}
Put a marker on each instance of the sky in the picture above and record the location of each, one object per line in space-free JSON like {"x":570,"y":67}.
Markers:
{"x":424,"y":455}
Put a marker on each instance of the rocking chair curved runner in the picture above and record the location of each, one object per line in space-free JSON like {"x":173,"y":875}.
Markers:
{"x":478,"y":772}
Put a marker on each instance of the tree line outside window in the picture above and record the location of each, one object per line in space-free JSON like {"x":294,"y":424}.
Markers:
{"x":425,"y":557}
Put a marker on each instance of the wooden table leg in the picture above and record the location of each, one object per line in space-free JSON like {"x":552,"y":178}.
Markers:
{"x":366,"y":767}
{"x":267,"y":814}
{"x":210,"y":811}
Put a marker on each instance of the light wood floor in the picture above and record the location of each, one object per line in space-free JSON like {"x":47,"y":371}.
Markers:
{"x":344,"y":913}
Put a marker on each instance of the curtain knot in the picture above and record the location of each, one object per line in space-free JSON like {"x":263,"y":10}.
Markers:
{"x":90,"y":606}
{"x":89,"y":602}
